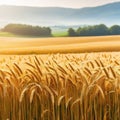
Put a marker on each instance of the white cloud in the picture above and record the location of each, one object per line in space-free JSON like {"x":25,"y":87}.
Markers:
{"x":60,"y":3}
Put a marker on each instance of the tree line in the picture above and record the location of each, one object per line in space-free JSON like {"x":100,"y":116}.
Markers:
{"x":95,"y":30}
{"x":29,"y":30}
{"x":22,"y":29}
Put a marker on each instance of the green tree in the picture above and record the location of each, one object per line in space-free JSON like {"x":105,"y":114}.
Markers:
{"x":71,"y":32}
{"x":101,"y":29}
{"x":22,"y":29}
{"x":115,"y":30}
{"x":95,"y":30}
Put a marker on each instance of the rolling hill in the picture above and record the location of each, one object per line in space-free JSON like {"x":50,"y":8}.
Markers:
{"x":50,"y":16}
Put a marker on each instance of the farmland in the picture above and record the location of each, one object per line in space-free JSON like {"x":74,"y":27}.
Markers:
{"x":60,"y":87}
{"x":14,"y":45}
{"x":60,"y":78}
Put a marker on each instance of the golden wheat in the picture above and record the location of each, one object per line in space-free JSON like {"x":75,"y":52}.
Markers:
{"x":60,"y":87}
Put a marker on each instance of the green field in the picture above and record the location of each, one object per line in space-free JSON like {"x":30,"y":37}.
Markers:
{"x":60,"y":34}
{"x":54,"y":34}
{"x":6,"y":34}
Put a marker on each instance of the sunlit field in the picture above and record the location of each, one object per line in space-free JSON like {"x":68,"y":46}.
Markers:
{"x":60,"y":78}
{"x":60,"y":87}
{"x":12,"y":45}
{"x":59,"y":60}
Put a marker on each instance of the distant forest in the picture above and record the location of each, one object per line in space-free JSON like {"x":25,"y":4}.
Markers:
{"x":29,"y":30}
{"x":22,"y":29}
{"x":95,"y":30}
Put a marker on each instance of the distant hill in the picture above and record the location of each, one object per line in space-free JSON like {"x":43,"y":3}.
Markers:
{"x":49,"y":16}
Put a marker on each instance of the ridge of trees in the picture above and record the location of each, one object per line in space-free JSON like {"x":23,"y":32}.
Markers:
{"x":23,"y":29}
{"x":95,"y":30}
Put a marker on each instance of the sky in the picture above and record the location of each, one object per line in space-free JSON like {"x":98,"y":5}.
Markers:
{"x":57,"y":3}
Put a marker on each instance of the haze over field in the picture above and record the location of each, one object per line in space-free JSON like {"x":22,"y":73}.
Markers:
{"x":49,"y":16}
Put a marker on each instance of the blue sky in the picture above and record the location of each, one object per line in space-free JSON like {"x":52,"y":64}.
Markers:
{"x":58,"y":3}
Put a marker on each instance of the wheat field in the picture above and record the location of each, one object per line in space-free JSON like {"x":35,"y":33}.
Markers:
{"x":15,"y":45}
{"x":60,"y":87}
